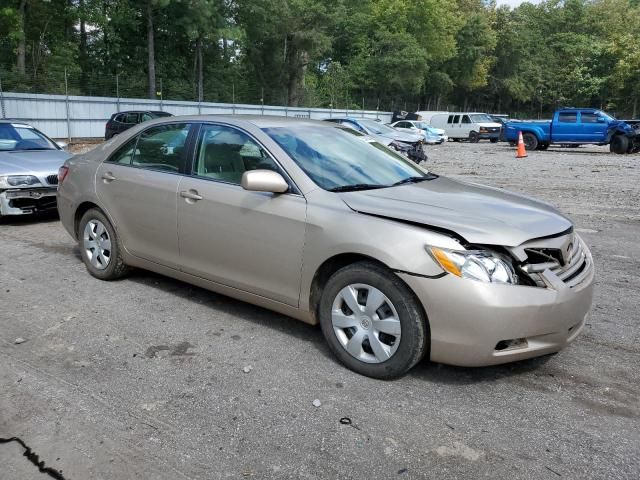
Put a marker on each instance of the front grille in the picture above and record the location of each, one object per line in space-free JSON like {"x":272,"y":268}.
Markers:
{"x":52,"y":179}
{"x":571,"y":271}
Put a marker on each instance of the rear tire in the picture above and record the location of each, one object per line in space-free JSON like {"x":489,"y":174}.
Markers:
{"x":397,"y":327}
{"x":99,"y":246}
{"x":494,"y":140}
{"x":530,"y":141}
{"x":619,"y":144}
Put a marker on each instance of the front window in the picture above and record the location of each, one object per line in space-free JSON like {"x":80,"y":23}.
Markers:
{"x":334,"y":159}
{"x":225,"y":153}
{"x":15,"y":136}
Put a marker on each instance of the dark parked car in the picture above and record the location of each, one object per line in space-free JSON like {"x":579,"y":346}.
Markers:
{"x":119,"y":122}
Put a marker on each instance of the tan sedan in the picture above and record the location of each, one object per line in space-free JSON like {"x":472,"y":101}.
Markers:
{"x":301,"y":217}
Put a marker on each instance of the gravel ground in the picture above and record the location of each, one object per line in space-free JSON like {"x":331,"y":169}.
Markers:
{"x":144,"y":377}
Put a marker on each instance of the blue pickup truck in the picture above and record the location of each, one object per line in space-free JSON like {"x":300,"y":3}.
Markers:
{"x":576,"y":126}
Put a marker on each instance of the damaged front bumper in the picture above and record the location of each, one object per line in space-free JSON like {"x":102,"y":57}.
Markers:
{"x":23,"y":201}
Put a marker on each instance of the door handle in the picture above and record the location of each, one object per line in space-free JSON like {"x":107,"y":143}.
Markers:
{"x":108,"y":177}
{"x":191,"y":195}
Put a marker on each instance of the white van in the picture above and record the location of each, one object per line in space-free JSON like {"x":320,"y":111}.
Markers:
{"x":470,"y":126}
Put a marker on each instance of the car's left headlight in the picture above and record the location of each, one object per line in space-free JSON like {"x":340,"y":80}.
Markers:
{"x":481,"y":265}
{"x":9,"y":181}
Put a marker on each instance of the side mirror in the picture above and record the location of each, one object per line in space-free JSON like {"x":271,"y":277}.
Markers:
{"x":264,"y":181}
{"x":601,"y":120}
{"x":62,"y":145}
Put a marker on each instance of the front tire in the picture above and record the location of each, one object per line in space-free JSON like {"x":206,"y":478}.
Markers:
{"x":372,"y":321}
{"x":100,"y":247}
{"x":619,"y":144}
{"x":474,"y":137}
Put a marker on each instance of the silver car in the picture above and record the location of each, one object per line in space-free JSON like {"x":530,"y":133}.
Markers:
{"x":29,"y":163}
{"x":407,"y":143}
{"x":394,"y":262}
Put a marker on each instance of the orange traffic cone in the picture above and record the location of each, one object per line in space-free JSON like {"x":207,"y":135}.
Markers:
{"x":521,"y":152}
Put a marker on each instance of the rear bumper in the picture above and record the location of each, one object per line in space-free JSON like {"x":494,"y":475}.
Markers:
{"x":470,"y":319}
{"x":27,"y":200}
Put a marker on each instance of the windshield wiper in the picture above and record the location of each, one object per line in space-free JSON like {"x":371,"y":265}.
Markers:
{"x":427,"y":177}
{"x":31,"y":149}
{"x":357,"y":186}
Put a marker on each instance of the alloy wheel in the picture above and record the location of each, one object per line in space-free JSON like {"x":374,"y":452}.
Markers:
{"x":366,"y":323}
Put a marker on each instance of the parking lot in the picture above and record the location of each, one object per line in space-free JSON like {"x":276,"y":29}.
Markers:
{"x":149,"y":377}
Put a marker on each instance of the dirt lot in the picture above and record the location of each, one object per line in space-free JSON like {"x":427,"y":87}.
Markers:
{"x":143,"y":378}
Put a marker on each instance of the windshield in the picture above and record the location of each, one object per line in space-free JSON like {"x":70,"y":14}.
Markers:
{"x":376,"y":127}
{"x":15,"y":136}
{"x":605,"y":115}
{"x":335,"y":159}
{"x":481,"y":118}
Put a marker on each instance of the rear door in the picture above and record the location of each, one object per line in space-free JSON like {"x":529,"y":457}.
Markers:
{"x":593,"y":127}
{"x":466,"y":126}
{"x":138,"y":187}
{"x":251,"y":241}
{"x":566,"y":128}
{"x":454,"y":122}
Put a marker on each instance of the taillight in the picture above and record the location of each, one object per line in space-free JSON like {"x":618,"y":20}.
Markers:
{"x":62,"y":174}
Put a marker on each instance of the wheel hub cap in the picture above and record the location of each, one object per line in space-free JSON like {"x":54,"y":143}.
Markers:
{"x":97,"y":244}
{"x":366,"y":323}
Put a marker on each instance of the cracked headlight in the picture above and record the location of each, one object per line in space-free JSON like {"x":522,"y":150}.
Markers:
{"x":18,"y":181}
{"x":481,"y":265}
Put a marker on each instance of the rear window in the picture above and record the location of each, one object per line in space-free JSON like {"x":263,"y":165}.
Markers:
{"x":568,"y":117}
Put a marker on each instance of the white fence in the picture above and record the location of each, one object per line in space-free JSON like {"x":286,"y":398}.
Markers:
{"x":78,"y":117}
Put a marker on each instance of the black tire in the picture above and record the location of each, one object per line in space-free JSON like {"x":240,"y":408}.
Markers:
{"x":619,"y":144}
{"x":414,"y":339}
{"x":116,"y":268}
{"x":474,"y":137}
{"x":543,"y":146}
{"x":494,"y":140}
{"x":530,"y":141}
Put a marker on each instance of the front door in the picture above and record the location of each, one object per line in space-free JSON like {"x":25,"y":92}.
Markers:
{"x":594,"y":127}
{"x":138,"y":187}
{"x":251,"y":241}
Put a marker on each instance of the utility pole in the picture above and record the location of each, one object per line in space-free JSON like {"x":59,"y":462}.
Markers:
{"x":2,"y":99}
{"x":66,"y":93}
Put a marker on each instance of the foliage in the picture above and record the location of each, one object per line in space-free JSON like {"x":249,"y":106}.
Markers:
{"x":467,"y":54}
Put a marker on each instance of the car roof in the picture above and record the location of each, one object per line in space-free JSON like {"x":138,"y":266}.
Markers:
{"x":16,"y":122}
{"x":260,"y":121}
{"x":141,"y":111}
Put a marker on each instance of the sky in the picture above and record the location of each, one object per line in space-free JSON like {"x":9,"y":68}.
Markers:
{"x":515,"y":3}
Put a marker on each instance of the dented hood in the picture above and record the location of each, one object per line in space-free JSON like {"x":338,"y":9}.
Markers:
{"x":479,"y":214}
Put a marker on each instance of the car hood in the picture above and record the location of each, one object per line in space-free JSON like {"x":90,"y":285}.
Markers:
{"x":489,"y":125}
{"x":479,"y":214}
{"x":32,"y":162}
{"x":403,"y":136}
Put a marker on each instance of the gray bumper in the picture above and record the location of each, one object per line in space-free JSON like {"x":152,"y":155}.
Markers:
{"x":24,"y":201}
